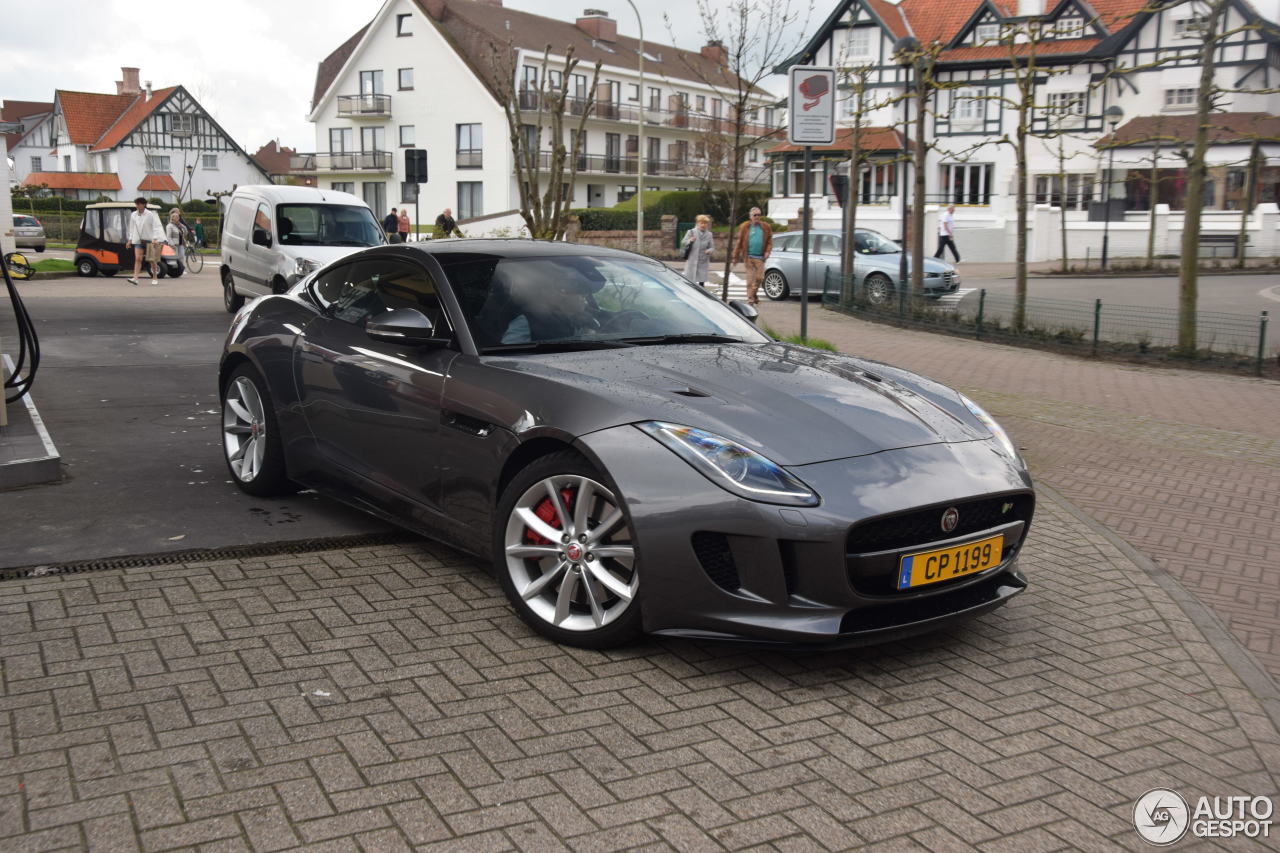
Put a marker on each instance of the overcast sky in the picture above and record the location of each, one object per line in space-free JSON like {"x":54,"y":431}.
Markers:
{"x":250,"y":63}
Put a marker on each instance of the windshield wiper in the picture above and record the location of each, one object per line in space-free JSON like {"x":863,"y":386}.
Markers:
{"x":554,"y":346}
{"x":686,"y":338}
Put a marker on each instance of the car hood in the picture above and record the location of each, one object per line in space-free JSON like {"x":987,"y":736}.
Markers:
{"x":794,"y":404}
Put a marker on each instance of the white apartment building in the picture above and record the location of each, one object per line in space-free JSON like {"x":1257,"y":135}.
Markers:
{"x":427,"y":74}
{"x":155,"y":143}
{"x":1079,"y":47}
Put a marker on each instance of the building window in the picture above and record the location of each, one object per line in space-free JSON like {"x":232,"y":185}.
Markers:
{"x":1189,"y":27}
{"x":1078,"y":191}
{"x":181,"y":124}
{"x":1179,"y":98}
{"x":339,"y":140}
{"x":613,"y":152}
{"x":408,"y":192}
{"x":967,"y":106}
{"x":406,"y":79}
{"x":404,"y":25}
{"x":796,"y":182}
{"x":372,"y":139}
{"x":155,"y":163}
{"x":66,"y":163}
{"x":406,"y":136}
{"x":470,"y":153}
{"x":209,"y":161}
{"x":37,"y":164}
{"x":375,"y":195}
{"x":625,"y":192}
{"x":753,"y":155}
{"x":633,"y":93}
{"x":966,"y":183}
{"x":530,"y":81}
{"x":860,"y":42}
{"x":700,"y":104}
{"x":1067,"y":103}
{"x":1069,"y":27}
{"x":986,"y":33}
{"x":371,"y":82}
{"x":343,"y":187}
{"x":579,"y":85}
{"x":470,"y":199}
{"x":877,"y":182}
{"x":655,"y":98}
{"x":529,"y":137}
{"x":769,"y":117}
{"x":654,"y":153}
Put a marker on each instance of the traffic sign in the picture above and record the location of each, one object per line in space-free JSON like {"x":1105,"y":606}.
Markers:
{"x":811,"y":105}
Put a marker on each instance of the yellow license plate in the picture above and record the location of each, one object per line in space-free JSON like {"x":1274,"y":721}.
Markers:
{"x":946,"y":563}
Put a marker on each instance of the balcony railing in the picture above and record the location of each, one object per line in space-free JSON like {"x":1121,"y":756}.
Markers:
{"x":609,"y":164}
{"x":354,"y":161}
{"x":683,"y":119}
{"x":364,"y":106}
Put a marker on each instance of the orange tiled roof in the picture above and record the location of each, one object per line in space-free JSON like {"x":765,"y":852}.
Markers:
{"x":89,"y":114}
{"x":158,"y":184}
{"x":873,"y":139}
{"x":1224,"y":128}
{"x":74,"y":180}
{"x":131,"y":118}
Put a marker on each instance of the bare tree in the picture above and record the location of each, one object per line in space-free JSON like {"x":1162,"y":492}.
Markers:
{"x":752,"y":38}
{"x":857,"y":80}
{"x":923,"y":62}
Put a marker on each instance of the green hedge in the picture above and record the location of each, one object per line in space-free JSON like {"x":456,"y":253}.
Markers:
{"x":23,"y":204}
{"x":686,"y":205}
{"x":612,"y":219}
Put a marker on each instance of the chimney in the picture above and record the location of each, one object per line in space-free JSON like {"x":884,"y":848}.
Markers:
{"x":129,"y":86}
{"x":1030,"y":8}
{"x":148,"y":85}
{"x":597,"y":24}
{"x":715,"y":51}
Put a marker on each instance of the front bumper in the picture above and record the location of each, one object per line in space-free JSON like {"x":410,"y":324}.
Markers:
{"x":718,"y":566}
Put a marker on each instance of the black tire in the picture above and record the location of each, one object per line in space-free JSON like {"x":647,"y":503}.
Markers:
{"x":160,"y":270}
{"x":176,"y":272}
{"x":616,"y":615}
{"x":775,"y":285}
{"x":251,"y":443}
{"x":86,"y":267}
{"x":279,"y":285}
{"x":231,"y":300}
{"x":39,"y":248}
{"x":879,"y":288}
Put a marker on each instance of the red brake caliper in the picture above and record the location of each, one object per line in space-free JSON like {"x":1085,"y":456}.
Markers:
{"x":547,"y":513}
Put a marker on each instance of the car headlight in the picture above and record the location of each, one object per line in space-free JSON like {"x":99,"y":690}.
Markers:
{"x":990,"y":423}
{"x":731,"y":466}
{"x":304,"y":266}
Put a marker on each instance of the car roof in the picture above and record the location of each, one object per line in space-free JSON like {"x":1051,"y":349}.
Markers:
{"x":286,"y":194}
{"x":507,"y":247}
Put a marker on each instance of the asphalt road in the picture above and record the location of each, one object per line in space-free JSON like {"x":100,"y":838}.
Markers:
{"x":1231,"y":294}
{"x":127,"y":389}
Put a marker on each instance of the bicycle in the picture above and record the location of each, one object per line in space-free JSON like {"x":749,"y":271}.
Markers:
{"x":194,"y":260}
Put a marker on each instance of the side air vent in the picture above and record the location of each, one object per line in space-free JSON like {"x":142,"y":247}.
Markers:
{"x":712,"y":550}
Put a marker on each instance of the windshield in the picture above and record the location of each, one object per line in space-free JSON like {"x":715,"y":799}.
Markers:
{"x":522,"y":303}
{"x":327,"y":225}
{"x":875,"y":243}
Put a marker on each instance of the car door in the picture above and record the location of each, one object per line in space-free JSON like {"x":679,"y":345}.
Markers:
{"x":372,"y":407}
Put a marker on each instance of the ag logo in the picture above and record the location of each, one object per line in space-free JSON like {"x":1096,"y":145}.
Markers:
{"x":950,"y":519}
{"x":1161,"y":816}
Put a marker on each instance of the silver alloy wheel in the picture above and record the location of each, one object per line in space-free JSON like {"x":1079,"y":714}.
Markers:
{"x":775,"y":286}
{"x":244,"y":429}
{"x":577,"y":571}
{"x":879,"y":289}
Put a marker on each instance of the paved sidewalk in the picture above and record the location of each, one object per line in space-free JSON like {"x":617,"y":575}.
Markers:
{"x":1184,"y":465}
{"x":386,"y":698}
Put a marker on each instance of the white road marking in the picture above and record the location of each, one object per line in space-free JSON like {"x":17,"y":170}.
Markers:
{"x":1272,"y":293}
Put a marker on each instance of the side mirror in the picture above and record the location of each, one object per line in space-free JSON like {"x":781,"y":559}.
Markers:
{"x":747,"y":311}
{"x":261,"y":238}
{"x":407,"y":326}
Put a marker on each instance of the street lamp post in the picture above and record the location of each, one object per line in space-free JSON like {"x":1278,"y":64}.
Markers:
{"x":190,"y":191}
{"x":906,"y":49}
{"x":640,"y":140}
{"x":1112,"y":114}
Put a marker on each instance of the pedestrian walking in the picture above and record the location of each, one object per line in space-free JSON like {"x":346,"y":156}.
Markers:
{"x":404,"y":225}
{"x":446,"y":225}
{"x":947,"y":233}
{"x":752,"y":245}
{"x":175,"y":233}
{"x":391,"y":225}
{"x":698,"y":244}
{"x":145,"y":236}
{"x":201,"y":243}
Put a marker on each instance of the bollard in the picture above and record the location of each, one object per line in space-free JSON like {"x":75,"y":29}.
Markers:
{"x":982,"y":304}
{"x":1262,"y":339}
{"x":1097,"y":321}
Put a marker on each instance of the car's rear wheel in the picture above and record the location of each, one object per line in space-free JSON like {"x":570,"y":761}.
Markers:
{"x":230,"y":299}
{"x":565,"y":554}
{"x":86,"y":267}
{"x":775,"y":285}
{"x":879,"y":288}
{"x":250,"y":435}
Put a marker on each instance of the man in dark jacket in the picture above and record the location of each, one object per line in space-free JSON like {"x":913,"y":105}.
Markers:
{"x":391,"y":224}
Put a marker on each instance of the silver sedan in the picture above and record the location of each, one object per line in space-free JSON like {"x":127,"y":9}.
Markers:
{"x":876,"y":264}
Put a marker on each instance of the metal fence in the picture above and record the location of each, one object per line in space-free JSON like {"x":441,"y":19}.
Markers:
{"x":65,"y":227}
{"x":1231,"y":340}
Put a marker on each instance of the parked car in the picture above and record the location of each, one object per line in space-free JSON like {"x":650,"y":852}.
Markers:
{"x":877,"y":261}
{"x":28,"y":233}
{"x":104,"y":231}
{"x":273,"y":235}
{"x":631,"y":453}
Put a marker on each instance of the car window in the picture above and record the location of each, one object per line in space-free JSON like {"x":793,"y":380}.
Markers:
{"x":91,"y":224}
{"x":115,"y":224}
{"x":239,"y":215}
{"x":25,"y":221}
{"x":262,"y":219}
{"x":782,"y":243}
{"x":327,"y":225}
{"x":355,"y":292}
{"x":828,"y":244}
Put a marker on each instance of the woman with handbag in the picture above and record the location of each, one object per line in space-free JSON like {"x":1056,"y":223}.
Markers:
{"x":698,"y":245}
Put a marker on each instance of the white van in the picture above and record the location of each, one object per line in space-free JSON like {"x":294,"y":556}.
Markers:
{"x":273,"y":235}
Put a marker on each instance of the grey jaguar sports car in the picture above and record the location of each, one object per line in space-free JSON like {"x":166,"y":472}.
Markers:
{"x":630,"y":453}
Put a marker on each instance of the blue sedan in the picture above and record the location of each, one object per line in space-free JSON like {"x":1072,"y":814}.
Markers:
{"x":876,"y":265}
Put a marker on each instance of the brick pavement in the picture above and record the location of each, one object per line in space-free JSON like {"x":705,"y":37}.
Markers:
{"x":1184,"y":465}
{"x":386,"y":699}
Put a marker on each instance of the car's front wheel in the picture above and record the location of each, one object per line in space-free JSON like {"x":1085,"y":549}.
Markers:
{"x":230,"y":299}
{"x":565,"y":554}
{"x":86,"y":267}
{"x":879,"y":288}
{"x":775,"y":285}
{"x":250,"y":435}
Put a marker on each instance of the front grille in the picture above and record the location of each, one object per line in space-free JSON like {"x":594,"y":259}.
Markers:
{"x":949,"y":279}
{"x":712,"y":550}
{"x":873,"y":546}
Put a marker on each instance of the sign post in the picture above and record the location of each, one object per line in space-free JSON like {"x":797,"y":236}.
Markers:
{"x":415,"y":172}
{"x":811,"y":120}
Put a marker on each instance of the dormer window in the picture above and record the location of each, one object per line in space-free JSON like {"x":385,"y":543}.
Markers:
{"x":860,"y":42}
{"x":1069,"y":27}
{"x":986,"y":33}
{"x":1188,"y":27}
{"x":181,"y":124}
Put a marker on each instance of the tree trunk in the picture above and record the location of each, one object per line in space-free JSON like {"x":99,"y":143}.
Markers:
{"x":1062,"y":205}
{"x":1020,"y":243}
{"x":1153,"y":194}
{"x":917,"y":215}
{"x":847,"y":256}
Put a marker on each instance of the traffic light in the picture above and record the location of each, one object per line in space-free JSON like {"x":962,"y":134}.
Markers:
{"x":840,"y":186}
{"x":415,"y":165}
